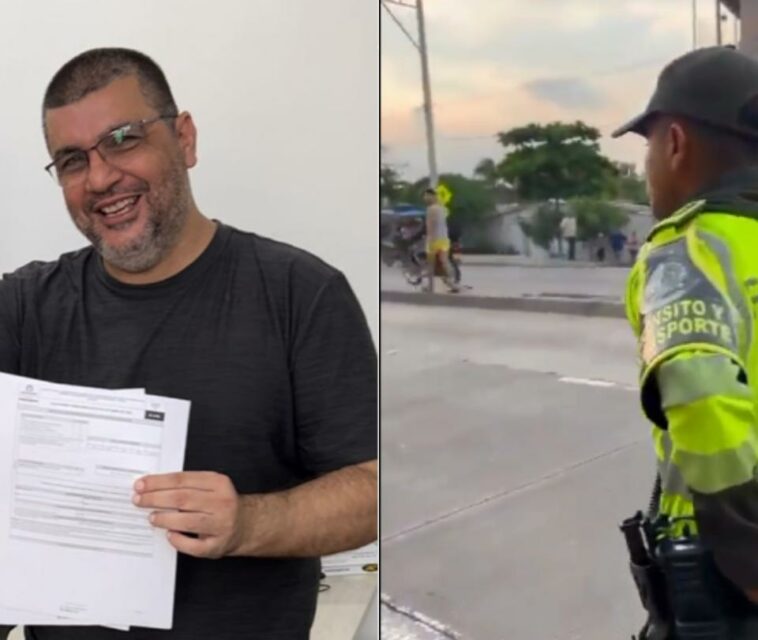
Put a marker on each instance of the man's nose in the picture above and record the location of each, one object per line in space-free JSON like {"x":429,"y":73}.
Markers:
{"x":101,"y":175}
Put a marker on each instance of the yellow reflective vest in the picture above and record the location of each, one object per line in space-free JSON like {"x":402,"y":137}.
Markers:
{"x":691,"y":299}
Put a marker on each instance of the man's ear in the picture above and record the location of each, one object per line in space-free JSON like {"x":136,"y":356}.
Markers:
{"x":678,"y":145}
{"x":187,"y":136}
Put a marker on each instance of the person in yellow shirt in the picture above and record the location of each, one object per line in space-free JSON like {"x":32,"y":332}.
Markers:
{"x":438,"y":240}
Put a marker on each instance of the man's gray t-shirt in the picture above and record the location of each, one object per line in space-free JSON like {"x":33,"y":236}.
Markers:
{"x":437,"y":222}
{"x":271,"y":347}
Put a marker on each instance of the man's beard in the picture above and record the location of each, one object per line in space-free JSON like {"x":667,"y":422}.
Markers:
{"x":167,"y":208}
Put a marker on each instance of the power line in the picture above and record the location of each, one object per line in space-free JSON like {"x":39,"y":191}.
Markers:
{"x":407,"y":5}
{"x":397,"y":20}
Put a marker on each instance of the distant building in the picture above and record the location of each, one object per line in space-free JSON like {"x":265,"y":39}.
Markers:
{"x":626,"y":169}
{"x":502,"y":232}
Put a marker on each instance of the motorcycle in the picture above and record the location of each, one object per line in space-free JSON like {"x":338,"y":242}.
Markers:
{"x":388,"y":252}
{"x":456,"y":252}
{"x":415,"y":267}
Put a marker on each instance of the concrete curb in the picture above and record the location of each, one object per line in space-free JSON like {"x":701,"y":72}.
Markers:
{"x":486,"y":261}
{"x":569,"y":306}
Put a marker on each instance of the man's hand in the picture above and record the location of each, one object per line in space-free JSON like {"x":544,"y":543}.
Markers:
{"x":203,"y":503}
{"x":207,"y":518}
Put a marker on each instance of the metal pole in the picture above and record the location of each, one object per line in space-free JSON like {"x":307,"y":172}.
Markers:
{"x":694,"y":24}
{"x":428,"y":116}
{"x":718,"y":23}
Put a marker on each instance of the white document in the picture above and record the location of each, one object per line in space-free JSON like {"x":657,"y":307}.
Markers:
{"x":72,"y":544}
{"x":33,"y":618}
{"x":357,"y":561}
{"x":18,"y":617}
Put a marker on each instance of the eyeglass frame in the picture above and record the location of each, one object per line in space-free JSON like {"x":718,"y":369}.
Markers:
{"x":49,"y":168}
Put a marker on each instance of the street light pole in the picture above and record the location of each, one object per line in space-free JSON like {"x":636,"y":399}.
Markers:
{"x":694,"y":24}
{"x":718,"y":22}
{"x":425,"y":81}
{"x":427,"y":89}
{"x":428,"y":111}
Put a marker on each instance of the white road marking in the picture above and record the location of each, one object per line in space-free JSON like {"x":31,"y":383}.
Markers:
{"x":590,"y":382}
{"x":403,"y":623}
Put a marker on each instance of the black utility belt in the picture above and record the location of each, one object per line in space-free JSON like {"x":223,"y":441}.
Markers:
{"x":685,"y":595}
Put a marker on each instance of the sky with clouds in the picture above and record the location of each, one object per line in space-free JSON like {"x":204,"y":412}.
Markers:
{"x":497,"y":64}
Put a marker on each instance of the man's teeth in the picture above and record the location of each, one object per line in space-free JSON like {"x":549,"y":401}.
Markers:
{"x":116,"y":207}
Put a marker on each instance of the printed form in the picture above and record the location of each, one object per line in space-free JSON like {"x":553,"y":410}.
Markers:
{"x":73,"y":547}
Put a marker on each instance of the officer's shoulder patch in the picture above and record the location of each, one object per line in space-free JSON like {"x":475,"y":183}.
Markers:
{"x":669,"y":275}
{"x":681,"y":306}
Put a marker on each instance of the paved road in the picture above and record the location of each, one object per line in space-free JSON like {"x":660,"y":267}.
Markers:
{"x":512,"y":446}
{"x":604,"y":282}
{"x":399,"y":626}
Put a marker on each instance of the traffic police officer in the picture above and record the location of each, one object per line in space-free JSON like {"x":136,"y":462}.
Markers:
{"x":692,"y":300}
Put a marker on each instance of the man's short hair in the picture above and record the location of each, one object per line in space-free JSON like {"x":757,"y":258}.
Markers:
{"x":725,"y":147}
{"x":97,"y":68}
{"x":430,"y":192}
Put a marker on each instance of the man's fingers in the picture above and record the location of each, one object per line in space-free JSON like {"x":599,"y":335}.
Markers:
{"x":204,"y":503}
{"x":197,"y":547}
{"x":181,"y":499}
{"x":199,"y":480}
{"x":199,"y":523}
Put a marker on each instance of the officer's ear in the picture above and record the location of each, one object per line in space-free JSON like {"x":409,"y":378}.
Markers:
{"x":678,"y":145}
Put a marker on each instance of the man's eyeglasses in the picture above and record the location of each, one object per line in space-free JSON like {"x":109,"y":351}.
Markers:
{"x":70,"y":165}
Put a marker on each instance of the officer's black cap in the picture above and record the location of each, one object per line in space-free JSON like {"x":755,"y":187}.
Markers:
{"x":717,"y":86}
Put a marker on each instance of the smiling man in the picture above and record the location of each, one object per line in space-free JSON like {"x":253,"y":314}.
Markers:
{"x":267,"y":342}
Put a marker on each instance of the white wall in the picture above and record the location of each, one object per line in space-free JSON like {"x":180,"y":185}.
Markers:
{"x":284,"y":96}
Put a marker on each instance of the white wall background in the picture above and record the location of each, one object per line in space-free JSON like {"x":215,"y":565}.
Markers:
{"x":284,"y":95}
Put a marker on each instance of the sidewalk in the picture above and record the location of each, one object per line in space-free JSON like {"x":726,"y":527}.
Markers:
{"x":592,"y":307}
{"x":555,"y":288}
{"x":498,"y":260}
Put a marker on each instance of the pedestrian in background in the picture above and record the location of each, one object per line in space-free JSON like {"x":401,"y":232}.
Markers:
{"x":568,"y":233}
{"x":438,"y":241}
{"x":633,"y":245}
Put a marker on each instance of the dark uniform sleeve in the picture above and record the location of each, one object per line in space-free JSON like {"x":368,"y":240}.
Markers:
{"x":334,"y":369}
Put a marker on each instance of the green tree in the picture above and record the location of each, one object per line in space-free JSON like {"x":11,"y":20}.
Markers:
{"x":557,"y":160}
{"x":543,"y":226}
{"x":626,"y":185}
{"x":391,"y":184}
{"x":596,"y":216}
{"x":632,"y":189}
{"x":486,"y":171}
{"x":472,"y":199}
